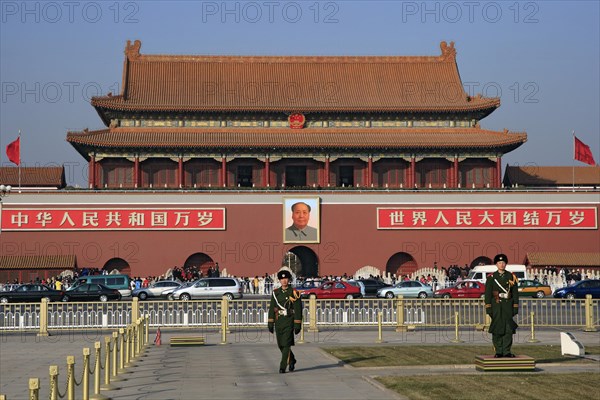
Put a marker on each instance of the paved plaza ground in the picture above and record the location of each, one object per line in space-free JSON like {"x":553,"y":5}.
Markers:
{"x":246,"y":367}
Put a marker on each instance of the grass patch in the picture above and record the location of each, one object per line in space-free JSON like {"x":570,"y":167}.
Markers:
{"x":386,"y":356}
{"x":580,"y":386}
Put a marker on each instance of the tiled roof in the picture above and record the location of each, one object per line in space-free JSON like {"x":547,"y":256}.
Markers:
{"x":280,"y":138}
{"x":542,"y":259}
{"x":38,"y":262}
{"x":552,"y":176}
{"x":33,"y":176}
{"x":293,"y":83}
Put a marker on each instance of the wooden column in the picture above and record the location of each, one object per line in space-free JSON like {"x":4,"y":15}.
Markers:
{"x":180,"y":182}
{"x":136,"y":171}
{"x":370,"y":171}
{"x":223,"y":171}
{"x":412,"y":172}
{"x":498,"y":172}
{"x":326,"y":180}
{"x":455,"y":172}
{"x":92,"y":172}
{"x":267,"y":172}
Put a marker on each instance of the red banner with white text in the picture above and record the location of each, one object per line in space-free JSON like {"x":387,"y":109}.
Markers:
{"x":44,"y":219}
{"x":488,"y":218}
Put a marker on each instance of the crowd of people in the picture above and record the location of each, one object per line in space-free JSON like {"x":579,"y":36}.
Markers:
{"x":264,"y":284}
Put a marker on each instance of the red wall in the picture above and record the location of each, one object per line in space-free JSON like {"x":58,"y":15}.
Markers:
{"x":252,"y":243}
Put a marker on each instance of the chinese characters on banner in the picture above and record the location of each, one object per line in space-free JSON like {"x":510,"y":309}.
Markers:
{"x":488,"y":218}
{"x":44,"y":219}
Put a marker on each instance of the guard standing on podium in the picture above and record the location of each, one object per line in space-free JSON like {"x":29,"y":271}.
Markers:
{"x":285,"y":319}
{"x":502,"y":304}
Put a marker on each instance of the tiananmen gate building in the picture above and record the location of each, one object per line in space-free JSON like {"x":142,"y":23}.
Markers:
{"x":203,"y":158}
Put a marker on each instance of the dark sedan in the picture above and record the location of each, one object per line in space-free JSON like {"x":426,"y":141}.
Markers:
{"x":579,"y":290}
{"x":30,"y":292}
{"x":372,"y":286}
{"x":91,"y":292}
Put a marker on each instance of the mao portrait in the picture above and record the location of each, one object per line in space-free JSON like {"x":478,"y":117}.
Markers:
{"x":301,"y":220}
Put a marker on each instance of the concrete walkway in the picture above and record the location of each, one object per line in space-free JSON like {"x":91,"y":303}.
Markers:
{"x":246,"y":367}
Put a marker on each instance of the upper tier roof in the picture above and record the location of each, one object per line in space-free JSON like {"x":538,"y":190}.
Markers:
{"x":168,"y":83}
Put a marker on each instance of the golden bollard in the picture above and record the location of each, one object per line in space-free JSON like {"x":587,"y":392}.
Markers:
{"x":34,"y":388}
{"x":400,"y":327}
{"x":532,"y":339}
{"x":107,"y":367}
{"x":223,"y":328}
{"x":85,"y":379}
{"x":147,"y":328}
{"x":379,"y":327}
{"x":589,"y":314}
{"x":312,"y":313}
{"x":70,"y":378}
{"x":127,"y":344}
{"x":456,"y":322}
{"x":97,"y":372}
{"x":121,"y":349}
{"x":54,"y":382}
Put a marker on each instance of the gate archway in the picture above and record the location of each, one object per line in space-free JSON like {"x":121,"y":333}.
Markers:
{"x":302,"y":261}
{"x":401,"y":264}
{"x":200,"y":262}
{"x":121,"y":266}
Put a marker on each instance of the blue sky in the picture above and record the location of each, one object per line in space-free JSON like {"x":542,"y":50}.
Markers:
{"x":542,"y":58}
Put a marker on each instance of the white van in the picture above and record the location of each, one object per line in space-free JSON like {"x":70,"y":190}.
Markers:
{"x":480,"y":272}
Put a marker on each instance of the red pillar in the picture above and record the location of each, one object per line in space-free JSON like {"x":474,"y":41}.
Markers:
{"x":455,"y":172}
{"x":499,"y":172}
{"x":180,"y":182}
{"x":326,"y":181}
{"x":136,"y":171}
{"x":92,"y":172}
{"x":267,"y":172}
{"x":223,"y":171}
{"x":413,"y":174}
{"x":370,"y":172}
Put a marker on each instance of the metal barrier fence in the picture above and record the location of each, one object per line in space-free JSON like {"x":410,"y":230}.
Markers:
{"x":316,"y":313}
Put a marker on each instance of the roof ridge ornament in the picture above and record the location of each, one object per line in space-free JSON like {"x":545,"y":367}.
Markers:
{"x":132,"y":51}
{"x":448,"y":52}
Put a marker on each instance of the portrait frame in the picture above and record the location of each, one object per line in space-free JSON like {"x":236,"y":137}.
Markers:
{"x":312,"y":232}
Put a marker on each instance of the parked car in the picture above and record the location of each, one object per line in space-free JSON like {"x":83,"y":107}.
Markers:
{"x":467,"y":289}
{"x":91,"y":292}
{"x":208,"y":288}
{"x":309,"y":284}
{"x":168,"y":293}
{"x":372,"y":286}
{"x":532,"y":288}
{"x":155,"y":289}
{"x":30,"y":292}
{"x":580,"y":289}
{"x":333,"y":290}
{"x":120,"y":282}
{"x":406,"y":289}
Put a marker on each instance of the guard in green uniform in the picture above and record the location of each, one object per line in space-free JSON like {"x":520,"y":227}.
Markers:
{"x":502,"y":303}
{"x":285,"y":318}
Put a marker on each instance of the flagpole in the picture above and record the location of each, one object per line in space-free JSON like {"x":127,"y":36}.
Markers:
{"x":573,"y":160}
{"x":19,"y":161}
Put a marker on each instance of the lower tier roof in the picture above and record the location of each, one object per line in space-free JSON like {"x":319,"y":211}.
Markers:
{"x":212,"y":139}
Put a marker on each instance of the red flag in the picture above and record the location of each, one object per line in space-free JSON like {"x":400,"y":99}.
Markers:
{"x":583,"y":152}
{"x":13,"y":151}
